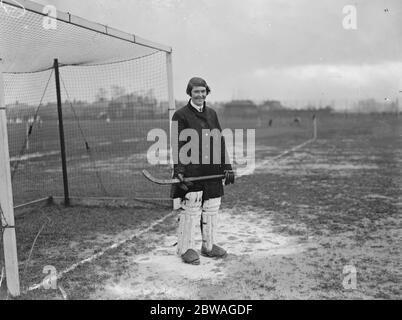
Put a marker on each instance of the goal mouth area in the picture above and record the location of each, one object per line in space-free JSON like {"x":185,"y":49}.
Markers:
{"x":113,"y":89}
{"x":77,"y":100}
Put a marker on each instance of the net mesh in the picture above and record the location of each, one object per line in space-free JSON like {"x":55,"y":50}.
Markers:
{"x":26,"y":45}
{"x":113,"y":93}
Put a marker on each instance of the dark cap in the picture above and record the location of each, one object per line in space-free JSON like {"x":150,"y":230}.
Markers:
{"x":197,"y":82}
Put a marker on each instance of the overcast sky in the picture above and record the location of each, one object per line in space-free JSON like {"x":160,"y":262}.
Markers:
{"x":267,"y":49}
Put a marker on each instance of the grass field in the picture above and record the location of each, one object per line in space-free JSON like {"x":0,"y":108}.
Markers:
{"x":290,"y":228}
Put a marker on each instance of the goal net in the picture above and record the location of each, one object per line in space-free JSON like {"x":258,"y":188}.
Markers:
{"x":114,"y":89}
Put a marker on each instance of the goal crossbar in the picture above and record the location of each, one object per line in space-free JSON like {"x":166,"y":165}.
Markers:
{"x":93,"y":26}
{"x":135,"y":46}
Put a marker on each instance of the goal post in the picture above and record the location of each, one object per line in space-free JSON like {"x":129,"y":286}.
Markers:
{"x":6,"y":202}
{"x":169,"y":67}
{"x":114,"y":87}
{"x":172,"y":109}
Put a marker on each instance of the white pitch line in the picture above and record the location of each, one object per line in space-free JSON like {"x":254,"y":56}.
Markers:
{"x":288,"y":151}
{"x":63,"y":292}
{"x":101,"y":253}
{"x":2,"y":276}
{"x":265,"y":162}
{"x":34,"y":156}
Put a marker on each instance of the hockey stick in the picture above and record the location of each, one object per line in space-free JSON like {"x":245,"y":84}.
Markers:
{"x":175,"y":180}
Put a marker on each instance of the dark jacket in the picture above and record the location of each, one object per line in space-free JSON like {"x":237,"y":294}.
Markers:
{"x":189,"y":118}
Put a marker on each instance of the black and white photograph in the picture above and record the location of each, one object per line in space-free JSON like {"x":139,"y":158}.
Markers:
{"x":201,"y":156}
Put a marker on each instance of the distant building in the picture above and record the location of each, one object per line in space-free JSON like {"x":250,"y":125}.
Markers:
{"x":372,"y":106}
{"x":240,"y":108}
{"x":271,"y":105}
{"x":131,"y":106}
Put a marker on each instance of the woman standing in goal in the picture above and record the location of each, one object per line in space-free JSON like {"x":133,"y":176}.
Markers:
{"x":200,"y":201}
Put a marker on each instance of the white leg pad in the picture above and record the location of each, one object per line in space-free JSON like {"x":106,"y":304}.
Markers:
{"x":209,"y":220}
{"x":189,"y":215}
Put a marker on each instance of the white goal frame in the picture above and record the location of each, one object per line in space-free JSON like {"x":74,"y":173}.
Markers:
{"x":6,"y":195}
